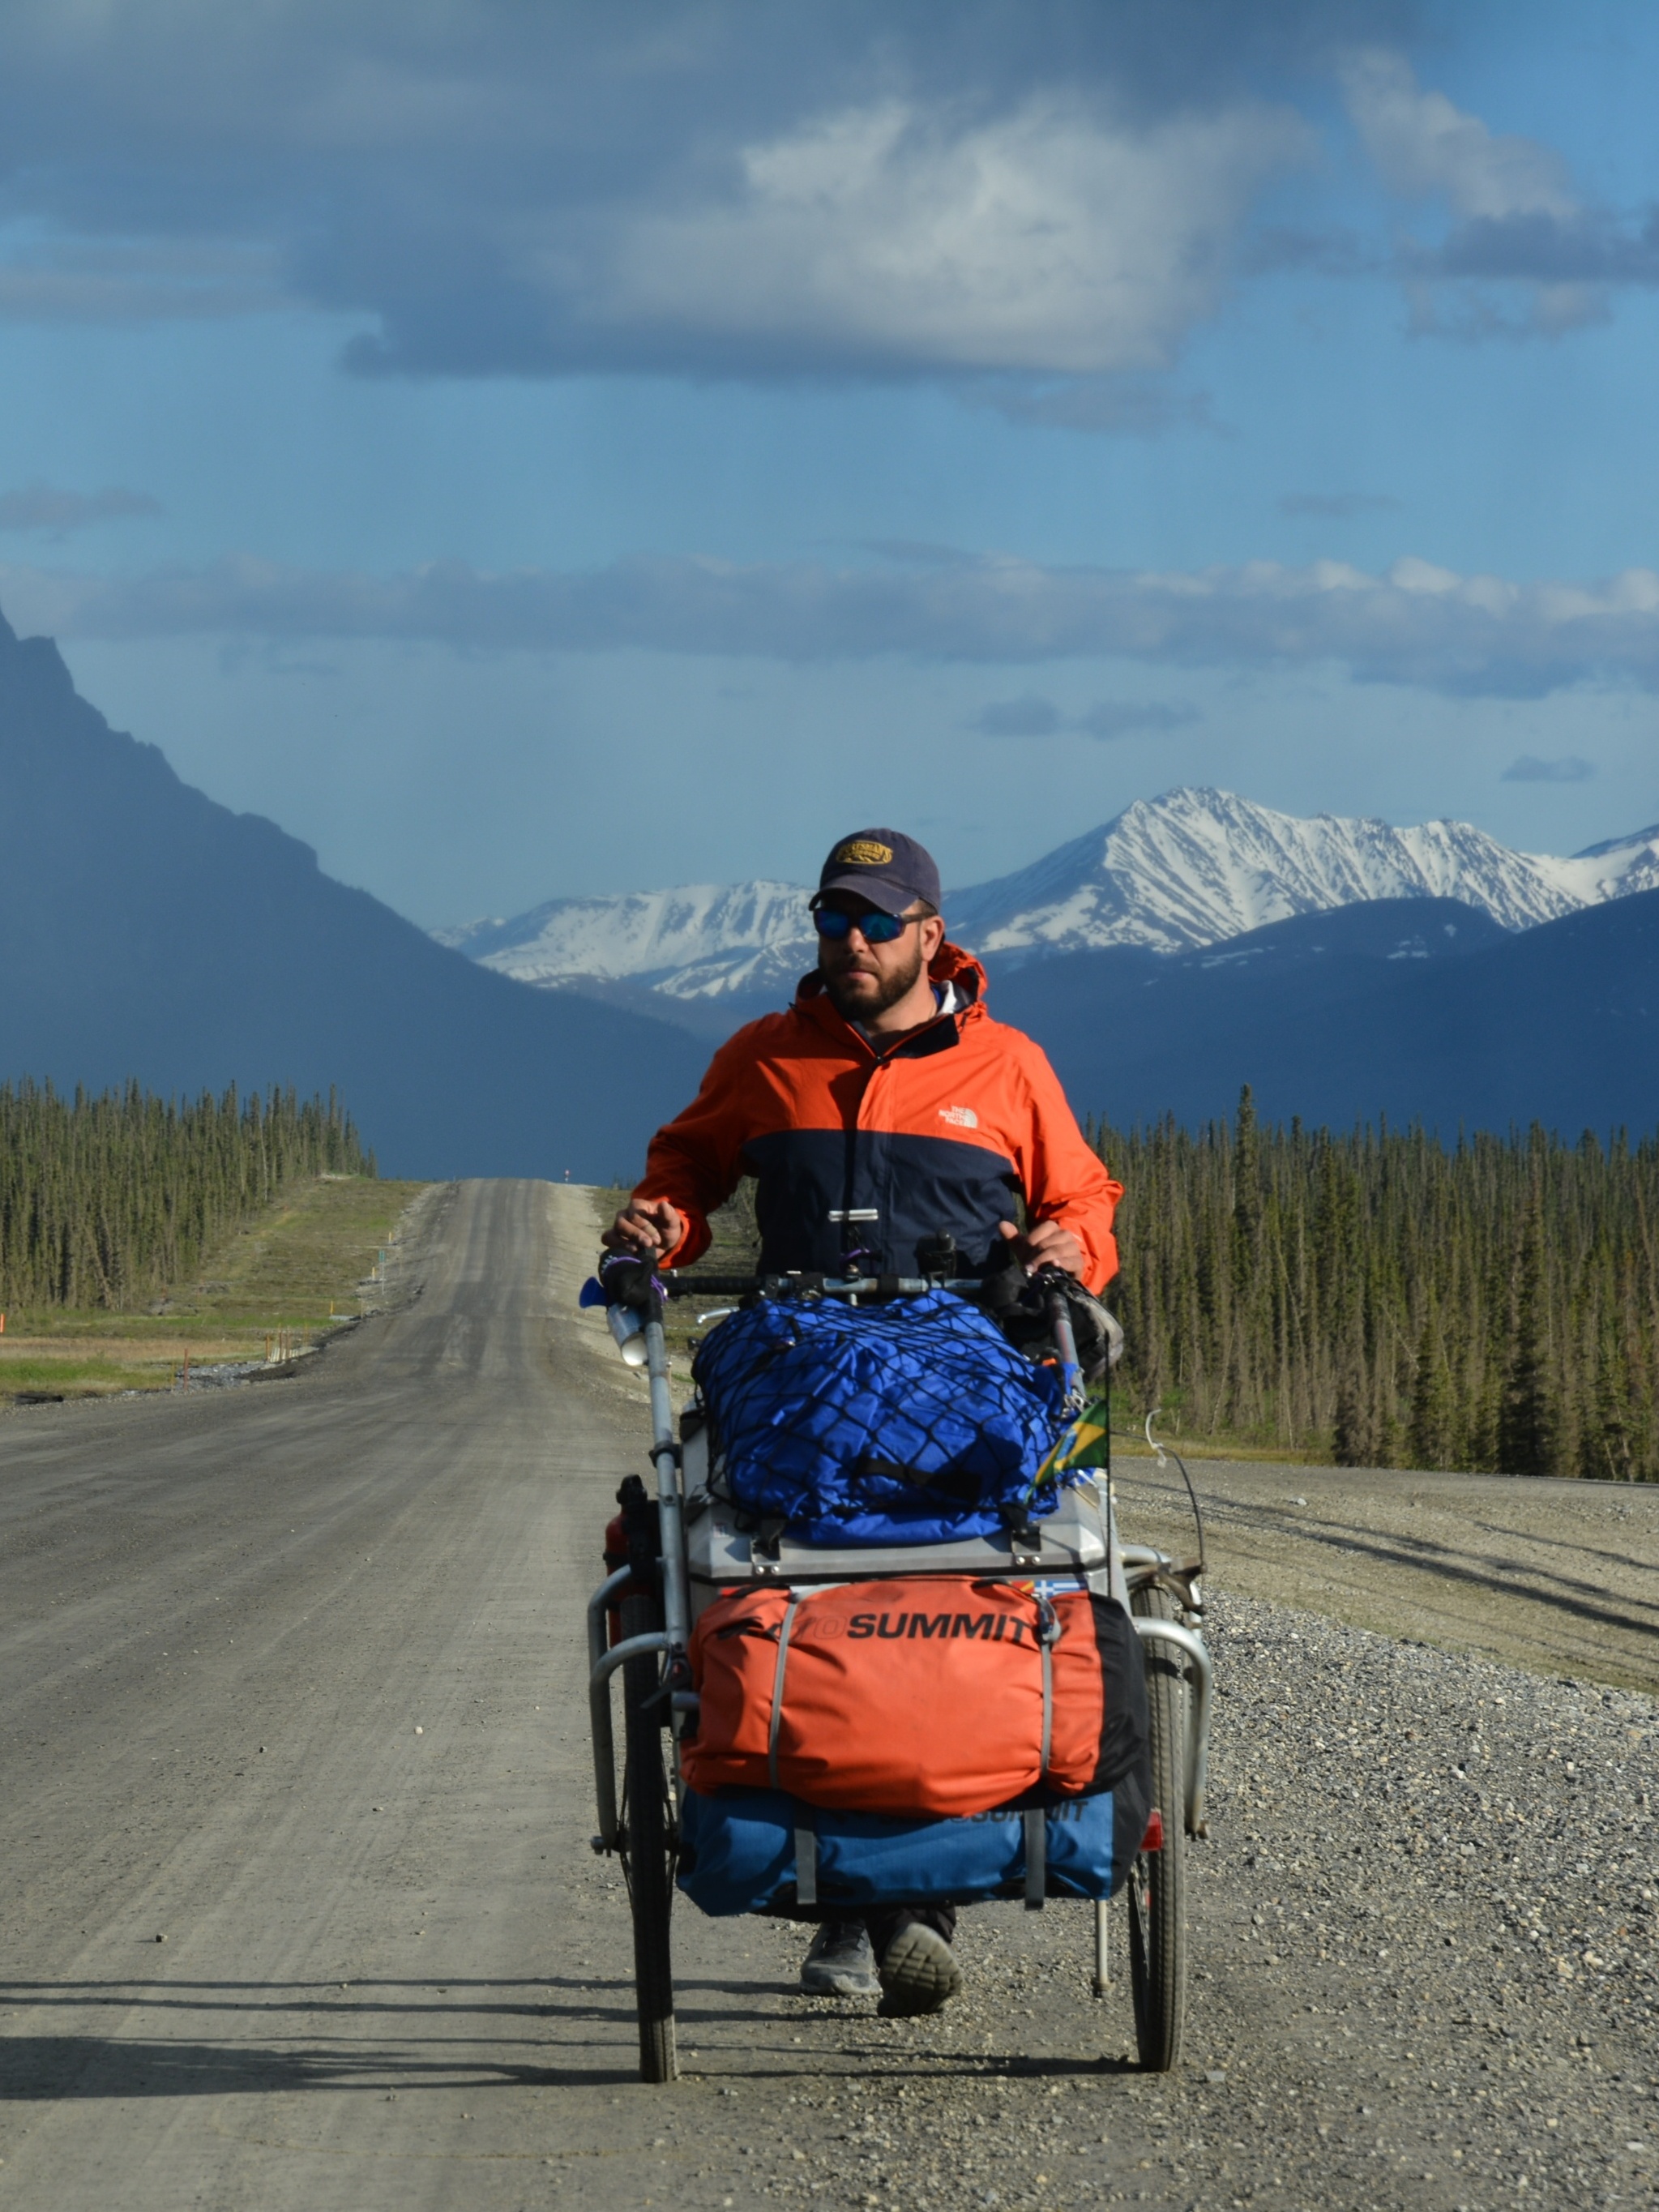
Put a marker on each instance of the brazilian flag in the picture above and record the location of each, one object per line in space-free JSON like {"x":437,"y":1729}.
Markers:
{"x":1083,"y":1445}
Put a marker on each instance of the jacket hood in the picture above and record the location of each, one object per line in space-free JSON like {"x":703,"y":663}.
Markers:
{"x":950,"y":964}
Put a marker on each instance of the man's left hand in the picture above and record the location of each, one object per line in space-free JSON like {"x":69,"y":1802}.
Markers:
{"x":1045,"y":1244}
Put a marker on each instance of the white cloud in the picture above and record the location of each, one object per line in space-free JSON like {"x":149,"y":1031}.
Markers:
{"x":1417,"y":623}
{"x":1053,"y":241}
{"x":1524,"y":254}
{"x":1047,"y":192}
{"x":1424,"y":145}
{"x":1038,"y":200}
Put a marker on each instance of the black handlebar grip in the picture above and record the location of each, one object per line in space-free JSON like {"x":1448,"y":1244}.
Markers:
{"x":627,"y":1280}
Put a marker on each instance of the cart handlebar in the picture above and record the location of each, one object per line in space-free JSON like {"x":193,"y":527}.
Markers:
{"x":625,"y":1279}
{"x":807,"y":1285}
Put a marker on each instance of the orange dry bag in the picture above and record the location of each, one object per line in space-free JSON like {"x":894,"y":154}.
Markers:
{"x":921,"y":1695}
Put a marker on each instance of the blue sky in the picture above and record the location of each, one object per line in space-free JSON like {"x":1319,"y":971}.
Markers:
{"x":530,"y":450}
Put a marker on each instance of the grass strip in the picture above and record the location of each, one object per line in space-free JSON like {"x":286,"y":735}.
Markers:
{"x":303,"y":1265}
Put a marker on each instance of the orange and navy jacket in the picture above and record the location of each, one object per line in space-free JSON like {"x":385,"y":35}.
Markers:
{"x":855,"y":1148}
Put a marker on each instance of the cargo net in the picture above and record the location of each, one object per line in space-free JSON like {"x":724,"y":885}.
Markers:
{"x":915,"y":1421}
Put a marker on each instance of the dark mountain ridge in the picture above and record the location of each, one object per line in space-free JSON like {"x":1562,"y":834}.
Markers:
{"x":149,"y":932}
{"x":1418,"y":1009}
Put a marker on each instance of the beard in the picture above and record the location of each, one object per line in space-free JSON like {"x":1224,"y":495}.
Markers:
{"x":854,"y":1005}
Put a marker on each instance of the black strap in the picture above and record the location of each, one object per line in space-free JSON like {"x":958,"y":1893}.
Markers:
{"x":1036,"y":1857}
{"x":806,"y":1867}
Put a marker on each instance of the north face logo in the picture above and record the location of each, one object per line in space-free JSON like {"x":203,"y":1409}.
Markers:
{"x":960,"y":1117}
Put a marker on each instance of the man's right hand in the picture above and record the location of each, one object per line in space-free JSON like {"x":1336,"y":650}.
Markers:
{"x":1045,"y":1244}
{"x":650,"y":1227}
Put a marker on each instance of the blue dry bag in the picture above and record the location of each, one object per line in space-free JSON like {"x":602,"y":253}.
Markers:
{"x":915,"y":1422}
{"x":738,"y":1851}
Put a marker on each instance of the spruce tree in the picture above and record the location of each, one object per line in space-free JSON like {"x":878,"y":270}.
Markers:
{"x":1428,"y":1429}
{"x":1526,"y":1415}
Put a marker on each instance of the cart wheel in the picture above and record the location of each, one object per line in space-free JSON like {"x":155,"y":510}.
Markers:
{"x":650,"y":1846}
{"x":1158,"y":1885}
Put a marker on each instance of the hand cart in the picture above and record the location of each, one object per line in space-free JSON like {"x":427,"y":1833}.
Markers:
{"x":701,"y":1549}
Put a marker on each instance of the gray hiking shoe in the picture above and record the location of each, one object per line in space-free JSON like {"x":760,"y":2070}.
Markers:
{"x":840,"y":1963}
{"x":919,"y":1972}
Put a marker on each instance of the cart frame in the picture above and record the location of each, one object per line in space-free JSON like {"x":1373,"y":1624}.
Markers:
{"x":639,"y":1824}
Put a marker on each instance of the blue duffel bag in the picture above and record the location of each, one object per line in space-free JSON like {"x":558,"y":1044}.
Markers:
{"x":739,"y":1852}
{"x":915,"y":1422}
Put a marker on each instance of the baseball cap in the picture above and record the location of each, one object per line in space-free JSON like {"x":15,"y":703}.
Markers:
{"x":884,"y":867}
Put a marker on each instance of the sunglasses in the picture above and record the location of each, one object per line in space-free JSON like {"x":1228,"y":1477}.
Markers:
{"x":875,"y":927}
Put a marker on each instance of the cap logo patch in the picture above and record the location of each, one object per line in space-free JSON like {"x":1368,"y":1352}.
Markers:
{"x":864,"y":853}
{"x":960,"y":1117}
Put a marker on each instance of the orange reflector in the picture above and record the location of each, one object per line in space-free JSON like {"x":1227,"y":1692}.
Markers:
{"x":1153,"y":1839}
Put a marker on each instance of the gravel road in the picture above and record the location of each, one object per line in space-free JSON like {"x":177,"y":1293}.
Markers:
{"x":291,"y":1682}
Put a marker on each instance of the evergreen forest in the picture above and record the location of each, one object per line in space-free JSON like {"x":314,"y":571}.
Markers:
{"x":1381,"y":1299}
{"x":108,"y":1201}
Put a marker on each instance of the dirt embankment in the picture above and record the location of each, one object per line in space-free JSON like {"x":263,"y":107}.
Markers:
{"x":1555,"y":1577}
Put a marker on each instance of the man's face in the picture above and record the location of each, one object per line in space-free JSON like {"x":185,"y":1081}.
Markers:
{"x":861,"y":979}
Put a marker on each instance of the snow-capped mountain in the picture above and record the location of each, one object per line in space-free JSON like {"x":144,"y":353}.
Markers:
{"x":698,"y":940}
{"x":1189,"y":869}
{"x":1622,"y":864}
{"x":1195,"y":867}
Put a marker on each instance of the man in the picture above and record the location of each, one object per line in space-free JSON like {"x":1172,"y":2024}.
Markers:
{"x":883,"y":1110}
